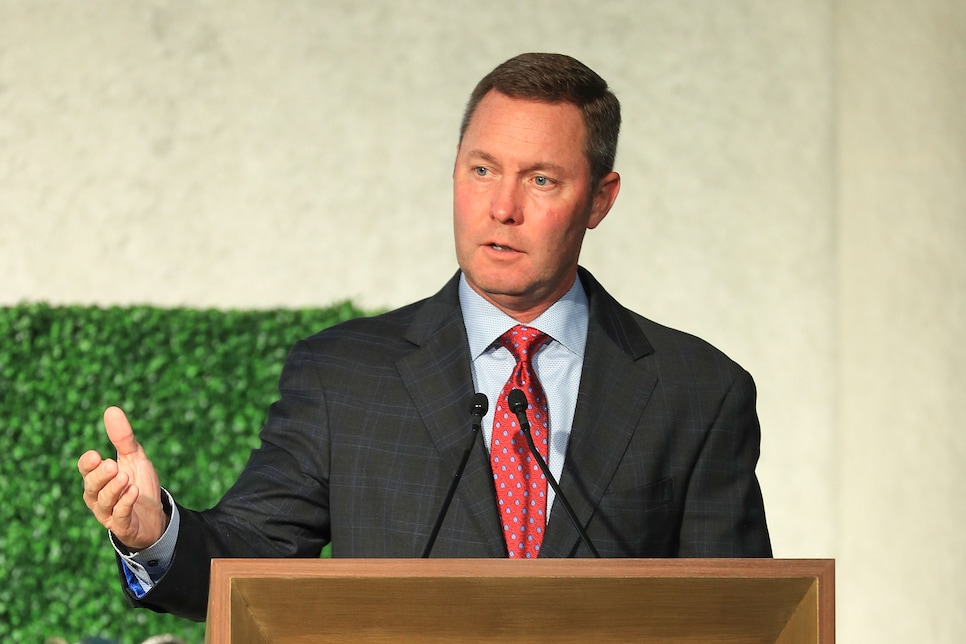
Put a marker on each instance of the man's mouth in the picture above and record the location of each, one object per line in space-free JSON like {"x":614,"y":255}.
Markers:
{"x":499,"y":247}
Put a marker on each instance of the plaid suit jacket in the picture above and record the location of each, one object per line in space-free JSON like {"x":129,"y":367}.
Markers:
{"x":372,"y":421}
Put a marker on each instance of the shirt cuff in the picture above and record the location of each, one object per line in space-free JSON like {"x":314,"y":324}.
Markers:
{"x":144,"y":568}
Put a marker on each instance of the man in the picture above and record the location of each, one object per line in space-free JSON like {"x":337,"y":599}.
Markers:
{"x":653,"y":433}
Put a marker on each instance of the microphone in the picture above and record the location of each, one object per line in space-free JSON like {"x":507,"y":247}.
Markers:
{"x":478,"y":406}
{"x":518,"y":405}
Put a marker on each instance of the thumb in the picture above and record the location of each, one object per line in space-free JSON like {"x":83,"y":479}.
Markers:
{"x":120,"y":432}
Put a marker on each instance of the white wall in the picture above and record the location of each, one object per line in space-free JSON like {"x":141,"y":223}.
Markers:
{"x":793,"y":191}
{"x":901,"y":370}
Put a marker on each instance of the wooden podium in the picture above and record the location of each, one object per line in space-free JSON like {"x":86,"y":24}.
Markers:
{"x":578,"y":600}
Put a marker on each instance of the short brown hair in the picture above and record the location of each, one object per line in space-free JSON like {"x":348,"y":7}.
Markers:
{"x":557,"y":78}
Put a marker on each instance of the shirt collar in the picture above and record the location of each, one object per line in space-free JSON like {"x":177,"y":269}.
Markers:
{"x":565,"y":321}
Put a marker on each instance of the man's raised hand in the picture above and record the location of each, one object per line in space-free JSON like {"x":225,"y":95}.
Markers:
{"x":124,"y":494}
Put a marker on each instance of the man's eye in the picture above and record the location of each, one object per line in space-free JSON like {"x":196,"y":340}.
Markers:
{"x":481,"y":172}
{"x":541,"y":180}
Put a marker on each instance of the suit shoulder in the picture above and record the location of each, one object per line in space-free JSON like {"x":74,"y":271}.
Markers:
{"x":378,"y":333}
{"x":643,"y":338}
{"x":692,"y":353}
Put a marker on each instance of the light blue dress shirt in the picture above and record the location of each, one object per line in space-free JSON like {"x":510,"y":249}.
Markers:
{"x":558,"y":364}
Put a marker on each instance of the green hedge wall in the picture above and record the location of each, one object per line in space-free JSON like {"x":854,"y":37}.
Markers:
{"x":196,"y":385}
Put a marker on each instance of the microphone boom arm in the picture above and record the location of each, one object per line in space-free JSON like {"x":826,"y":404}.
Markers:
{"x":518,"y":405}
{"x":477,"y":409}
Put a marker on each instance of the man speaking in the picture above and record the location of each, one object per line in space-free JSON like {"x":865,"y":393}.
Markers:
{"x":651,"y":433}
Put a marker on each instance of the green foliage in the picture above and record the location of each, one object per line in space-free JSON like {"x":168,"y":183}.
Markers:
{"x":196,"y":385}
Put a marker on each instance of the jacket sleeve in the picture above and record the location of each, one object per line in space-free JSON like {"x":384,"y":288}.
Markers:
{"x":724,"y":514}
{"x":278,"y":507}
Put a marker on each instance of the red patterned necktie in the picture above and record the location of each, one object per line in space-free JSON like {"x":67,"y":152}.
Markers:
{"x":521,"y":487}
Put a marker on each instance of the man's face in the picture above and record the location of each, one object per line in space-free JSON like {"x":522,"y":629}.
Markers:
{"x":522,"y":201}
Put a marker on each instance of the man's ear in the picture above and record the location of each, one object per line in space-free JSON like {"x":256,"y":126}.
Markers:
{"x":604,"y":198}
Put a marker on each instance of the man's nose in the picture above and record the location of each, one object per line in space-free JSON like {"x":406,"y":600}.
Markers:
{"x":506,"y":203}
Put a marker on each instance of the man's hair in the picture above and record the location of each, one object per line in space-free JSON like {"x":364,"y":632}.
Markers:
{"x":557,"y":78}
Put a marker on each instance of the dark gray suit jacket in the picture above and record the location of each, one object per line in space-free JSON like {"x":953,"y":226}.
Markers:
{"x":373,"y":419}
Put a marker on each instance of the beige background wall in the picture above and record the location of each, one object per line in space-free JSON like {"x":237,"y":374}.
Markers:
{"x":901,"y":319}
{"x":794,"y":191}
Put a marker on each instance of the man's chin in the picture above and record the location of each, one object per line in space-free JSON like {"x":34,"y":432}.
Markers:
{"x":499,"y":285}
{"x":500,"y":289}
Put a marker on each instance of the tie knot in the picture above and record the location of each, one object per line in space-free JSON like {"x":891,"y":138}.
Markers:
{"x":523,"y":341}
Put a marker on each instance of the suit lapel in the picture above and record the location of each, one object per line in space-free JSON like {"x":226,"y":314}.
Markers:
{"x":438,"y":377}
{"x":615,"y":386}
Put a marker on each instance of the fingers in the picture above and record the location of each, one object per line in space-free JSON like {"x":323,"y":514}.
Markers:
{"x":123,"y":509}
{"x":88,"y":461}
{"x":120,"y":432}
{"x":103,"y":485}
{"x":111,"y":495}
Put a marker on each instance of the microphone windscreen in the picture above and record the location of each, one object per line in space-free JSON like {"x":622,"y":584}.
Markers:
{"x":479,"y":405}
{"x":517,"y":401}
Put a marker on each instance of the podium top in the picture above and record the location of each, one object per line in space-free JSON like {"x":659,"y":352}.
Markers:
{"x":600,"y":600}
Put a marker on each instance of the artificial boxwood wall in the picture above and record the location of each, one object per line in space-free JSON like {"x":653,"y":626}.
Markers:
{"x":196,"y":385}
